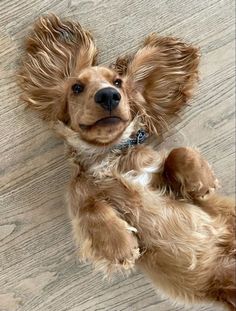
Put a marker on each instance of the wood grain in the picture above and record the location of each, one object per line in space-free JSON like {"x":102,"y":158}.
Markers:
{"x":39,"y":270}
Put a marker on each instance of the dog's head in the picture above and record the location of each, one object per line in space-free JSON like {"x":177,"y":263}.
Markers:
{"x":98,"y":105}
{"x":61,"y":79}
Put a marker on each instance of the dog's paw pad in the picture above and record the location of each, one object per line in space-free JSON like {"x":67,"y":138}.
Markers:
{"x":204,"y":192}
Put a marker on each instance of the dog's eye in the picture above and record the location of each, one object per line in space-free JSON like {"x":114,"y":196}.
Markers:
{"x":118,"y":82}
{"x":77,"y":88}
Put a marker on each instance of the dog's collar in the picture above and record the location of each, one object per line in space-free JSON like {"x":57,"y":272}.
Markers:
{"x":138,"y":139}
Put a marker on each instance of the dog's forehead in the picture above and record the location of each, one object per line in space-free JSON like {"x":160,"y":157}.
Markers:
{"x":97,"y":73}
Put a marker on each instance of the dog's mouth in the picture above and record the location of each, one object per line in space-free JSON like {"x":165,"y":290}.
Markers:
{"x":107,"y":121}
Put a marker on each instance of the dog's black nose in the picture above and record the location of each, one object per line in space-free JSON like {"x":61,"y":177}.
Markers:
{"x":108,"y":98}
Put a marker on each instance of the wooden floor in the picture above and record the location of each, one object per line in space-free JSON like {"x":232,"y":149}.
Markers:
{"x":39,"y":270}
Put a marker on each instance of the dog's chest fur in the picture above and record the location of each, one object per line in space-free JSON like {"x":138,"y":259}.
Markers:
{"x":143,"y":177}
{"x":110,"y":167}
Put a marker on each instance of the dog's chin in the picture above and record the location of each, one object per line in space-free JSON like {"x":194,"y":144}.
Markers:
{"x":104,"y":132}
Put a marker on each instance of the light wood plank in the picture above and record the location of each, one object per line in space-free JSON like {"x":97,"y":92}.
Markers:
{"x":39,"y":270}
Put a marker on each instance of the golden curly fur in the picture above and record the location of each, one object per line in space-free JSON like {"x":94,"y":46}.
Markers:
{"x":134,"y":207}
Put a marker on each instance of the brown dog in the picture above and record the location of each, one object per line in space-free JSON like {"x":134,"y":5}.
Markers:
{"x":129,"y":204}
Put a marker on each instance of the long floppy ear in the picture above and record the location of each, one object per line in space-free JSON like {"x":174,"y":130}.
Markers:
{"x":55,"y":50}
{"x":161,"y":76}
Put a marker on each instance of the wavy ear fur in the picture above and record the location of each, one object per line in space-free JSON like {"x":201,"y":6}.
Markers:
{"x":162,"y":75}
{"x":55,"y":51}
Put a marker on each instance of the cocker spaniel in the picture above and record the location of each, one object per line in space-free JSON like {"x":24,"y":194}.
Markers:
{"x":130,"y":205}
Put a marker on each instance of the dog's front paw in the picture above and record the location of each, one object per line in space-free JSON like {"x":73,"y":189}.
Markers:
{"x":202,"y":189}
{"x":189,"y":175}
{"x":111,"y":251}
{"x":127,"y":257}
{"x":119,"y":259}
